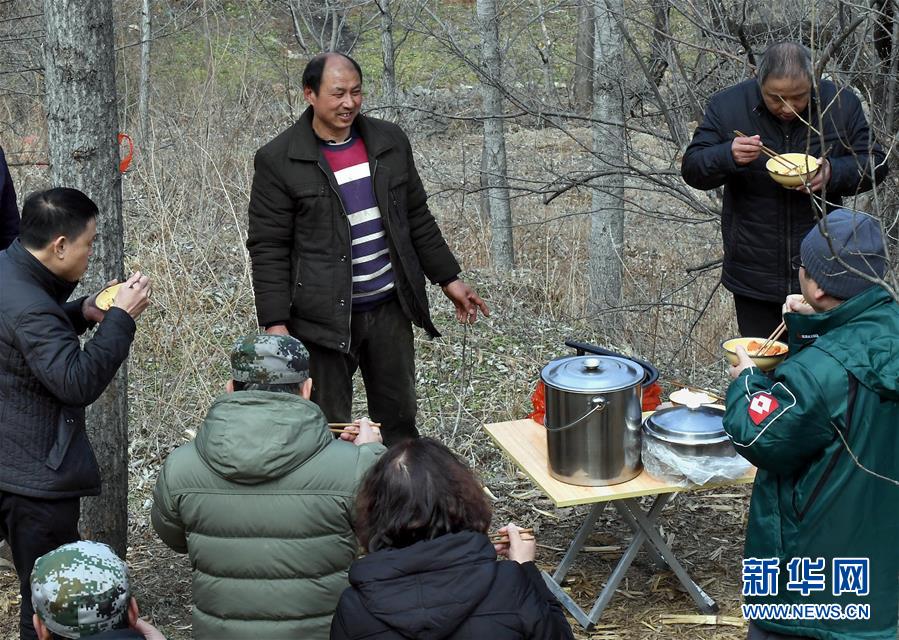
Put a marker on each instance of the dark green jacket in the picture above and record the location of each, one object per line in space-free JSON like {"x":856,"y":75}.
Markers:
{"x":810,"y":499}
{"x":262,"y":501}
{"x":299,"y":234}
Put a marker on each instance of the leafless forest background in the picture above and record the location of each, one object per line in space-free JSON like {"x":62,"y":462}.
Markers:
{"x":224,"y":77}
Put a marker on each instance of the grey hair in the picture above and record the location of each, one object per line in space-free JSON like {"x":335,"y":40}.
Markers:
{"x":786,"y":60}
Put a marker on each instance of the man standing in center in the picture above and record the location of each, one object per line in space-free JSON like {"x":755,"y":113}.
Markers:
{"x":340,"y":239}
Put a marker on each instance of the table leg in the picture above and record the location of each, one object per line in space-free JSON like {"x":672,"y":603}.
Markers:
{"x":566,"y":601}
{"x":646,"y":524}
{"x":578,"y":543}
{"x":643,"y":525}
{"x":658,"y":504}
{"x":554,"y":582}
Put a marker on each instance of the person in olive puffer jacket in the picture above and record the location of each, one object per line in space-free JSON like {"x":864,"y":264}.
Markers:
{"x":431,"y":572}
{"x":824,"y":433}
{"x":262,"y":501}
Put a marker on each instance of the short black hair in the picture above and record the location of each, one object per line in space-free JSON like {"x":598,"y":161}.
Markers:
{"x":312,"y":74}
{"x":46,"y":215}
{"x":418,"y":490}
{"x":283,"y":387}
{"x":786,"y":60}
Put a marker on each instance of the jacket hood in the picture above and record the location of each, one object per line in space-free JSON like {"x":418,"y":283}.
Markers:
{"x":255,"y":436}
{"x":427,"y":590}
{"x":862,"y":334}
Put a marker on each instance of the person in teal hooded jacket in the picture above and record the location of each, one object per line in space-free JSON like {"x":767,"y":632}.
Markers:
{"x":824,"y":434}
{"x":262,"y":501}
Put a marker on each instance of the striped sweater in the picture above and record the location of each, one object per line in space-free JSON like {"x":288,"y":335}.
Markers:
{"x":373,"y":277}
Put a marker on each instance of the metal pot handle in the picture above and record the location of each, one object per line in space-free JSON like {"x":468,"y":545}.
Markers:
{"x":599,"y":403}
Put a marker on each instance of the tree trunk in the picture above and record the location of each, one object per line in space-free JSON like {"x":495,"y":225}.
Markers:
{"x":583,"y":55}
{"x":546,"y":55}
{"x":143,"y":108}
{"x":494,"y":166}
{"x":82,"y":125}
{"x":661,"y":38}
{"x":388,"y":53}
{"x":607,"y":218}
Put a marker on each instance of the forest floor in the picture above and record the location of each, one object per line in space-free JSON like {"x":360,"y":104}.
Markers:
{"x":467,"y":378}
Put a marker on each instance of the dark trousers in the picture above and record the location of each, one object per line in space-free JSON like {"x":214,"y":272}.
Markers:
{"x":756,"y":633}
{"x":757,"y":318}
{"x":381,"y":347}
{"x":33,"y":527}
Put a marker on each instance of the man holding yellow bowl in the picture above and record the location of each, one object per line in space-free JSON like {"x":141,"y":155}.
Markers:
{"x":786,"y":109}
{"x":820,"y":558}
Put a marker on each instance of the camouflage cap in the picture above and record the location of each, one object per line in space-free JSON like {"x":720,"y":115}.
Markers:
{"x":81,"y":589}
{"x":265,"y":359}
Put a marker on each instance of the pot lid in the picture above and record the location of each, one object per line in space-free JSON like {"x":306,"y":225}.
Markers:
{"x":683,"y":425}
{"x":589,"y":374}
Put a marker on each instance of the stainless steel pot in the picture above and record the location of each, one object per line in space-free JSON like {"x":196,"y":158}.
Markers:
{"x":593,"y":416}
{"x":690,"y":432}
{"x":690,"y":447}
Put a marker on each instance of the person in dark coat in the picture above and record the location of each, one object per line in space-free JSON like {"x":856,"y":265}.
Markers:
{"x":431,"y":571}
{"x":763,"y":223}
{"x":9,"y":210}
{"x":47,"y":378}
{"x":341,"y":239}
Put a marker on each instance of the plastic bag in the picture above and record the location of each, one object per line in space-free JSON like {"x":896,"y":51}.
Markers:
{"x":652,"y":396}
{"x":664,"y":463}
{"x":539,"y":402}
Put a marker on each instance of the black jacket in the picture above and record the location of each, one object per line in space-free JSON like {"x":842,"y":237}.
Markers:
{"x":451,"y":587}
{"x":299,"y":234}
{"x":46,"y":379}
{"x":763,"y":223}
{"x":9,"y":211}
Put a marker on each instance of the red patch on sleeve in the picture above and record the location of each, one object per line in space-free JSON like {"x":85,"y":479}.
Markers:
{"x":761,"y":405}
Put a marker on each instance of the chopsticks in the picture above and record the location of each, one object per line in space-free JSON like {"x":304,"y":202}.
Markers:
{"x":501,"y":538}
{"x":775,"y":335}
{"x":341,"y":427}
{"x":771,"y":153}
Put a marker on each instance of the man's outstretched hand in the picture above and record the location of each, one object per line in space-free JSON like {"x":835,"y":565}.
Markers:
{"x":466,"y":301}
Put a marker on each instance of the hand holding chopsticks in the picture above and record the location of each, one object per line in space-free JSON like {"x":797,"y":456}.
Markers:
{"x":348,"y":427}
{"x":794,"y":303}
{"x":771,"y":153}
{"x":359,"y":432}
{"x":502,"y":538}
{"x":515,"y":543}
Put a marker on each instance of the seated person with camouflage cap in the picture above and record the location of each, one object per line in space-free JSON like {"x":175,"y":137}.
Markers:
{"x":82,"y":590}
{"x":262,"y":500}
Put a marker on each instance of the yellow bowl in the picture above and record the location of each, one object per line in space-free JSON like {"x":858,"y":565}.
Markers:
{"x":765,"y":363}
{"x":107,"y":296}
{"x":806,"y":168}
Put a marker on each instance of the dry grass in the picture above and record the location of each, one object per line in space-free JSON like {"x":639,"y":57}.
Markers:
{"x":185,"y":213}
{"x":186,"y":221}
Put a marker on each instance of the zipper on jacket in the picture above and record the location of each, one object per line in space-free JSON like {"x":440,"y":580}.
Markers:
{"x":330,"y":176}
{"x":789,"y":231}
{"x":832,"y":463}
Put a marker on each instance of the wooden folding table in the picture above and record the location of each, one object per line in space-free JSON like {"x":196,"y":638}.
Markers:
{"x":524,"y":441}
